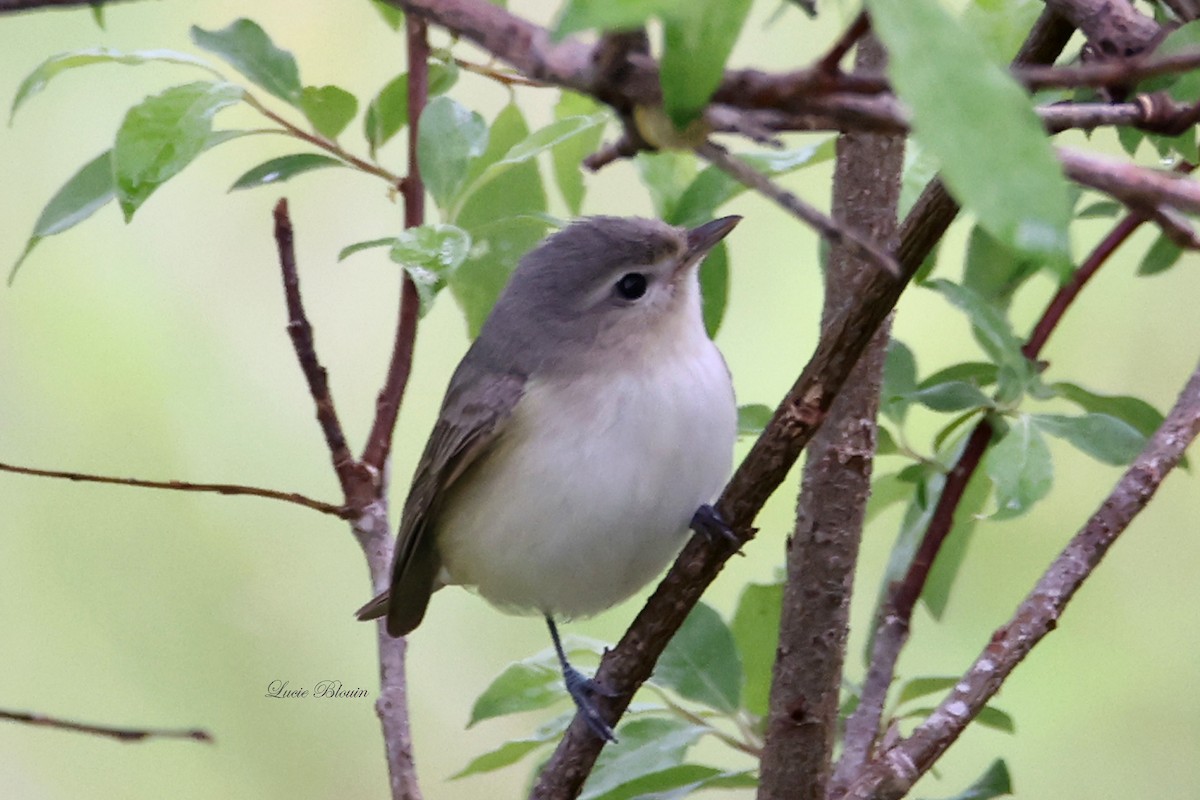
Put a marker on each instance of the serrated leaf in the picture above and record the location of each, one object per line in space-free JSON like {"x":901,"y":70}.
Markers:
{"x":899,"y":380}
{"x":451,"y":136}
{"x":951,"y":396}
{"x":993,"y":783}
{"x":329,"y":108}
{"x":84,"y":193}
{"x":1020,"y":468}
{"x":922,"y":687}
{"x":162,"y":135}
{"x":505,"y":218}
{"x":1107,"y":439}
{"x":278,"y":170}
{"x":644,"y":747}
{"x":752,"y":418}
{"x":36,"y":81}
{"x":248,"y":49}
{"x":567,"y":156}
{"x":960,"y":98}
{"x":358,"y":247}
{"x":430,"y":254}
{"x":755,"y":629}
{"x":1161,"y":256}
{"x":387,"y":113}
{"x":513,"y":751}
{"x":701,"y":662}
{"x":697,"y":40}
{"x":524,"y":686}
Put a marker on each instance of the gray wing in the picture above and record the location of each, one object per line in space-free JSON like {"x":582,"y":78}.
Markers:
{"x":478,"y":405}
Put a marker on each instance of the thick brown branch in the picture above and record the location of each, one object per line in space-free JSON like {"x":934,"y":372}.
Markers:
{"x":823,"y":551}
{"x":120,"y":734}
{"x":1114,"y":28}
{"x":301,"y":334}
{"x":894,"y":772}
{"x":185,"y":486}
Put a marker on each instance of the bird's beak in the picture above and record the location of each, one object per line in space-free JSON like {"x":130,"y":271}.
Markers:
{"x":703,"y":238}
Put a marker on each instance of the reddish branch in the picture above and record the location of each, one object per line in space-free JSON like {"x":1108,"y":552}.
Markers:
{"x":185,"y":486}
{"x":895,"y":771}
{"x":120,"y":734}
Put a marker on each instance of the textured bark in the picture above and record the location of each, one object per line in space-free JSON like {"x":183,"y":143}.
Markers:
{"x":824,"y":547}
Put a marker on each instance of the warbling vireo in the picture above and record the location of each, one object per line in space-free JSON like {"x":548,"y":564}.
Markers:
{"x":583,"y":433}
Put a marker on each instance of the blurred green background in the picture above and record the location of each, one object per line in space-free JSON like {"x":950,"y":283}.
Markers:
{"x":158,"y":350}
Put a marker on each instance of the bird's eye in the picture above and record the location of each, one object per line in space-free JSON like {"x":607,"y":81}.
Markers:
{"x":632,"y":285}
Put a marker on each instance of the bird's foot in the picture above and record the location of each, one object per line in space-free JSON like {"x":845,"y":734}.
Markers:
{"x":709,"y":523}
{"x":583,"y":691}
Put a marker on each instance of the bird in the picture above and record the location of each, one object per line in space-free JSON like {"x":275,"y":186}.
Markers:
{"x":587,"y":428}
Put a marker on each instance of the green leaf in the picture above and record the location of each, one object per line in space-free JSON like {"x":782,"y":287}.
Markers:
{"x":278,"y":170}
{"x":1161,"y":256}
{"x":357,"y":247}
{"x":885,"y":442}
{"x":328,"y":108}
{"x":752,"y":418}
{"x":755,"y":629}
{"x":513,"y":751}
{"x":387,"y":113}
{"x":55,"y":65}
{"x":996,"y":272}
{"x":1020,"y":468}
{"x":992,"y":717}
{"x":951,"y":396}
{"x":713,"y":188}
{"x":1144,"y":417}
{"x":675,"y":783}
{"x":1101,"y":209}
{"x":567,"y":156}
{"x":666,"y":174}
{"x":697,"y":40}
{"x":246,"y":46}
{"x":953,"y":553}
{"x":989,"y":325}
{"x":899,"y":380}
{"x":392,"y":16}
{"x":450,"y":136}
{"x":524,"y":686}
{"x":1002,"y":27}
{"x":430,"y":254}
{"x":87,"y":191}
{"x":714,"y":287}
{"x":960,"y":99}
{"x":612,"y":15}
{"x":505,"y":218}
{"x":920,"y":167}
{"x":886,"y":491}
{"x":162,"y":135}
{"x":529,"y":148}
{"x":923,"y":687}
{"x":993,"y":783}
{"x":645,"y":746}
{"x":978,"y":373}
{"x":701,"y":662}
{"x":1107,"y":439}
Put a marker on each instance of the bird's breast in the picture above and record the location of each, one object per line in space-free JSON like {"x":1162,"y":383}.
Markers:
{"x":588,"y":492}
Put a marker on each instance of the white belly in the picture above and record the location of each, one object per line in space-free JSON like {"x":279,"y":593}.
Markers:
{"x":590,"y":489}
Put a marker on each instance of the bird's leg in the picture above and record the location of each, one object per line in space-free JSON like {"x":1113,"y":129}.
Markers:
{"x":583,"y":690}
{"x":709,"y":523}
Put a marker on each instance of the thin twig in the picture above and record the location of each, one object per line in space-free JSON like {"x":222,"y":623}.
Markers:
{"x":185,"y":486}
{"x":830,"y":229}
{"x":301,"y":333}
{"x":328,"y":145}
{"x":855,"y":31}
{"x":1133,"y":185}
{"x":120,"y":734}
{"x":894,"y":772}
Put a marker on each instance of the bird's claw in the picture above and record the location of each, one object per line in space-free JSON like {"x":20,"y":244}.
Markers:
{"x":709,"y":523}
{"x":583,"y":691}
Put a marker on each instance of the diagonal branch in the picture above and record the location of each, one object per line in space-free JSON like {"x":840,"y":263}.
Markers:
{"x":894,"y":772}
{"x":185,"y":486}
{"x":120,"y":734}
